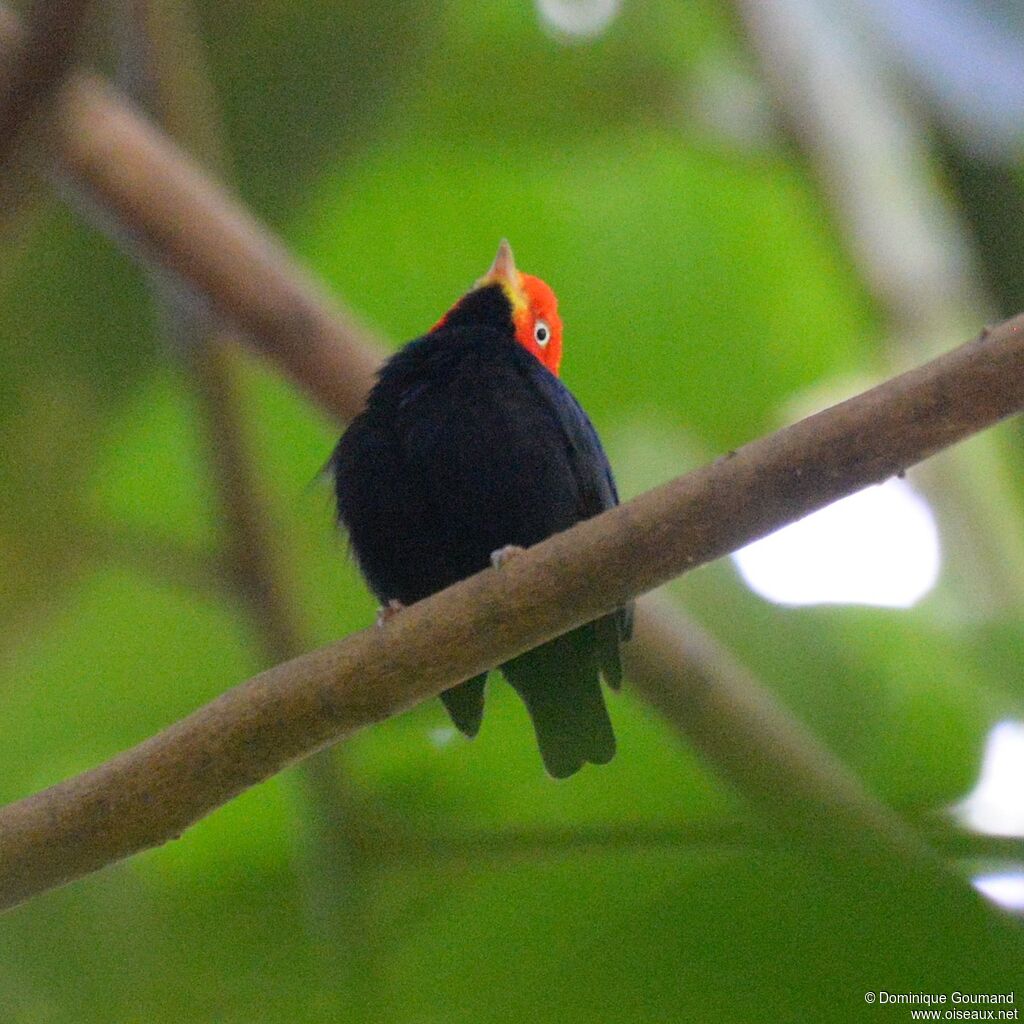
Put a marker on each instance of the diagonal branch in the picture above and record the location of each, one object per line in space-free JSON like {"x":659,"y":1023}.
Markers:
{"x":180,"y":220}
{"x":729,"y":718}
{"x":162,"y":203}
{"x":34,"y":71}
{"x":151,"y":793}
{"x":718,"y":836}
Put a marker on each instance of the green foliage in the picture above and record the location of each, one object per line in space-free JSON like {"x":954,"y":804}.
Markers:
{"x":703,"y":286}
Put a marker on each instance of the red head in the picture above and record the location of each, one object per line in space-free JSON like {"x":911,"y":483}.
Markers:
{"x":535,"y":319}
{"x":534,"y":308}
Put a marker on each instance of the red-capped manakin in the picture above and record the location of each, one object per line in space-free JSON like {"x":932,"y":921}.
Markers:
{"x":470,"y":445}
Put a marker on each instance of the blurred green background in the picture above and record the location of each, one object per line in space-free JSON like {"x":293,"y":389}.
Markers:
{"x":668,"y":172}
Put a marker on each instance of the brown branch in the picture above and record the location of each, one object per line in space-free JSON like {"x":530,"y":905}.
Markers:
{"x":857,"y":130}
{"x":151,"y":793}
{"x":163,"y":559}
{"x":177,"y":218}
{"x":32,"y":72}
{"x":721,"y":835}
{"x":715,"y":691}
{"x":185,"y":224}
{"x":159,"y":53}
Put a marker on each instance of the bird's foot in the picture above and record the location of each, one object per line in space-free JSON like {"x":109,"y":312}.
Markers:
{"x":387,"y":612}
{"x":505,"y":554}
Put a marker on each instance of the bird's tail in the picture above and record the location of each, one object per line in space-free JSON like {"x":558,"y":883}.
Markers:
{"x":560,"y":684}
{"x":465,"y":704}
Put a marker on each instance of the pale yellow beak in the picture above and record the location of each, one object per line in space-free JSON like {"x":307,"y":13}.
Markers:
{"x":504,"y":267}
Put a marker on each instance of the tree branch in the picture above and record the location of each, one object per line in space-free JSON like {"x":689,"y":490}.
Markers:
{"x":151,"y":793}
{"x":721,"y":835}
{"x":184,"y":223}
{"x":162,"y":203}
{"x":715,"y":691}
{"x":164,"y":560}
{"x":156,"y":51}
{"x":32,"y":72}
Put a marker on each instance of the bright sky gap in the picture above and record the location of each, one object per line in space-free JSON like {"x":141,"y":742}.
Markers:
{"x":877,"y":547}
{"x":995,"y":806}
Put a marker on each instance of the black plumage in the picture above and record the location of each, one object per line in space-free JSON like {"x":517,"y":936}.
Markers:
{"x":467,"y":444}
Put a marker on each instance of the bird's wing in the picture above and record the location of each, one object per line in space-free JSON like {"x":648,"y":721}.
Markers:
{"x":596,"y":488}
{"x":587,"y":456}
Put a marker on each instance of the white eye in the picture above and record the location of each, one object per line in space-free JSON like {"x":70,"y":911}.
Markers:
{"x":541,"y":333}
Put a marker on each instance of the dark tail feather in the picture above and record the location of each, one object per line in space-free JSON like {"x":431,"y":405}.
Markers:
{"x":606,"y":643}
{"x":560,"y":685}
{"x":625,"y":618}
{"x":465,"y":704}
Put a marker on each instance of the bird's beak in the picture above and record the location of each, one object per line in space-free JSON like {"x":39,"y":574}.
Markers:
{"x":503,"y":268}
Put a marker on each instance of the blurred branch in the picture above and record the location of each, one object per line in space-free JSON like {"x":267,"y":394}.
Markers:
{"x":247,"y":541}
{"x":871,"y":160}
{"x":176,"y":218}
{"x":911,"y":245}
{"x":720,"y":835}
{"x":150,"y":793}
{"x":162,"y":64}
{"x":261,"y":584}
{"x":35,"y":68}
{"x":726,"y":835}
{"x":179,"y":220}
{"x":723,"y":711}
{"x":249,"y":551}
{"x":167,"y":560}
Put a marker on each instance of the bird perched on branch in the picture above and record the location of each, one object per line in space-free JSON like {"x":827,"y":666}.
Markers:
{"x":469,"y":449}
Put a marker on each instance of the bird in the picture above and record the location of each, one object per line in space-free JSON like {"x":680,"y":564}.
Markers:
{"x":469,"y":449}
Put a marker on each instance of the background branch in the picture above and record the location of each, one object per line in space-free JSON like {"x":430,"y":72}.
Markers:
{"x":32,"y":72}
{"x":165,"y":560}
{"x":178,"y":219}
{"x":719,"y":836}
{"x":718,"y":690}
{"x":864,"y":143}
{"x":162,"y":64}
{"x":152,"y":792}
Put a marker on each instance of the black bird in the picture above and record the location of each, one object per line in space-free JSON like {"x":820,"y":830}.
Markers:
{"x":469,"y":448}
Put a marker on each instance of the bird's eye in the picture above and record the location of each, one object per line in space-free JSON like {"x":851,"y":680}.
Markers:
{"x":541,"y":333}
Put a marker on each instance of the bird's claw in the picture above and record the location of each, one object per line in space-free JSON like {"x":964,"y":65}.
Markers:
{"x":388,"y":611}
{"x":505,"y":554}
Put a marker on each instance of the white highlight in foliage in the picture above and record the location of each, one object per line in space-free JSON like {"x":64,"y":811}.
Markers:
{"x":1006,"y":890}
{"x":441,"y":736}
{"x":877,"y":547}
{"x":996,"y":804}
{"x":582,"y":19}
